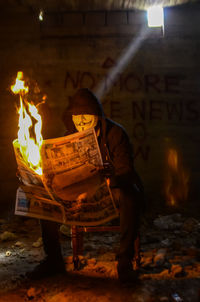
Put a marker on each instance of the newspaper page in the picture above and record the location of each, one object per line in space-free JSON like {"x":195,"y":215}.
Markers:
{"x":70,"y":163}
{"x":70,"y":183}
{"x":28,"y":176}
{"x":87,"y":210}
{"x":32,"y":201}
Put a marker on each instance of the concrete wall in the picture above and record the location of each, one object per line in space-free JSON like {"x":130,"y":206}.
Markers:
{"x":146,"y":81}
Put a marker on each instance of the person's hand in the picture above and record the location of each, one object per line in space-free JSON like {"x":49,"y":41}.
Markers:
{"x":107,"y":170}
{"x":19,"y":175}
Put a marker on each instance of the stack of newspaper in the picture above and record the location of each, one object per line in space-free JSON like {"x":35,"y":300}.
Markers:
{"x":71,"y":189}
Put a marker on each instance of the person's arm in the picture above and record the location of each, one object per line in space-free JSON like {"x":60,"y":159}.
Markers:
{"x":121,"y":153}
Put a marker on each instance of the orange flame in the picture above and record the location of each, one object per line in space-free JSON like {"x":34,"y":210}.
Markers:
{"x":176,"y":187}
{"x":30,"y":126}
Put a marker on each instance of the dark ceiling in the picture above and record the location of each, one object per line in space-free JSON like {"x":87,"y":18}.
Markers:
{"x":64,"y":5}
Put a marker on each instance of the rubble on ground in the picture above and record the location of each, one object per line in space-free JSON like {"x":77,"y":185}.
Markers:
{"x":170,"y":264}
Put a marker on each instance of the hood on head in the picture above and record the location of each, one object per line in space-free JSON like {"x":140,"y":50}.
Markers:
{"x":85,"y":102}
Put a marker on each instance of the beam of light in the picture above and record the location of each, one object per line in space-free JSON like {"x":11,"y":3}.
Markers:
{"x":123,"y":61}
{"x":155,"y":16}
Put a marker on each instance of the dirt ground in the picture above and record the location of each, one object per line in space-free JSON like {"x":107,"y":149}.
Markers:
{"x":170,"y":265}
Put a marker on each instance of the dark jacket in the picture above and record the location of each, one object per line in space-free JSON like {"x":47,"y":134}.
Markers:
{"x":114,"y":142}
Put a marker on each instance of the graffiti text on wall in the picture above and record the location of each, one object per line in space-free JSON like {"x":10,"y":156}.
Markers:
{"x":150,"y":99}
{"x":130,"y":82}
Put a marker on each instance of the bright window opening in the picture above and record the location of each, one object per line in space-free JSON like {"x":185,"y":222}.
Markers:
{"x":155,"y":16}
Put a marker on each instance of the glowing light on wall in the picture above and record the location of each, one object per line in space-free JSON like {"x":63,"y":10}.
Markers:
{"x":155,"y":16}
{"x":41,"y":15}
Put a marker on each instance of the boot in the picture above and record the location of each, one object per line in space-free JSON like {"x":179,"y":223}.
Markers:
{"x":47,"y":267}
{"x":126,"y":273}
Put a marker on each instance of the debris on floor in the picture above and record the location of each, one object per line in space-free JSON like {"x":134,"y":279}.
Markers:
{"x":170,"y":264}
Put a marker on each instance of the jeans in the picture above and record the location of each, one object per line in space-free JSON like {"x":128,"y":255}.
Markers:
{"x":129,"y":212}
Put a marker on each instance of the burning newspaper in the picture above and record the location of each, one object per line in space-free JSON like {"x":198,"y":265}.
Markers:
{"x":70,"y":189}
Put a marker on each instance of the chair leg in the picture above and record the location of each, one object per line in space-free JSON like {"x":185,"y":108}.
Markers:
{"x":137,"y":257}
{"x":77,"y":245}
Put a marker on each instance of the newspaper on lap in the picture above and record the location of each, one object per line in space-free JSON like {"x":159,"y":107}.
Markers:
{"x":70,"y":190}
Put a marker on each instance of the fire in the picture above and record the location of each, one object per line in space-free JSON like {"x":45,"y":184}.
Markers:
{"x":30,"y":126}
{"x":176,"y":187}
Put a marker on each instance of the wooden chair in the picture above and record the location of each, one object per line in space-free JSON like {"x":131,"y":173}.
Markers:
{"x":77,"y":243}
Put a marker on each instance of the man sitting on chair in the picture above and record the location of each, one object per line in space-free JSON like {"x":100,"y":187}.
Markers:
{"x":84,"y":112}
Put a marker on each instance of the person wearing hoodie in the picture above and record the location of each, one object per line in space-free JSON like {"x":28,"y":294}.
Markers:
{"x":85,"y":111}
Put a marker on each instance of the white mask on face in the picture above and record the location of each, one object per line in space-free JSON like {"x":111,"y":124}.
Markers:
{"x":84,"y":121}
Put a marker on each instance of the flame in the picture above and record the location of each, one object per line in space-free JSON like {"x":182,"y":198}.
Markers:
{"x":18,"y":87}
{"x":176,"y":187}
{"x":30,"y":126}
